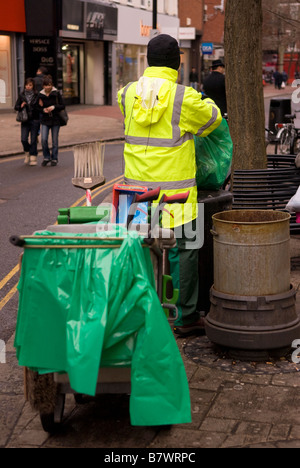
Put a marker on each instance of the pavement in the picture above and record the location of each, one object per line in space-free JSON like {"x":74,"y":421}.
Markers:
{"x":235,"y":403}
{"x":86,"y":124}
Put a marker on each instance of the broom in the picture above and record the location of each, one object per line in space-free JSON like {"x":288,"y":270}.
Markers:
{"x":88,"y":167}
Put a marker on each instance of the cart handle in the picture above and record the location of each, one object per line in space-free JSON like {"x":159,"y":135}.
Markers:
{"x":21,"y":242}
{"x":17,"y":241}
{"x":178,"y":198}
{"x":151,"y":195}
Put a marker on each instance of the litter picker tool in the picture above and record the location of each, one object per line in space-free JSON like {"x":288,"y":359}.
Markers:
{"x":88,"y":167}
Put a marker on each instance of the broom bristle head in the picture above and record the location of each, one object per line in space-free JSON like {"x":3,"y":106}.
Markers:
{"x":89,"y":159}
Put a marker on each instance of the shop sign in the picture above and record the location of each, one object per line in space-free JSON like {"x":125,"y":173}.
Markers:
{"x":39,"y":51}
{"x":101,"y":21}
{"x":207,"y":48}
{"x":96,"y":22}
{"x":187,"y":34}
{"x":12,"y":16}
{"x":140,"y":21}
{"x":72,"y":15}
{"x":145,"y":30}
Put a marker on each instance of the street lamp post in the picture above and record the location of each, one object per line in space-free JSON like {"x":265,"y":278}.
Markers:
{"x":154,"y":15}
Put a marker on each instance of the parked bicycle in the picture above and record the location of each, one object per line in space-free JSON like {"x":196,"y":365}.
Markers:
{"x":288,"y":135}
{"x":271,"y":139}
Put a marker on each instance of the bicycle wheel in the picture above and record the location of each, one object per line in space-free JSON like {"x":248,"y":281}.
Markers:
{"x":285,"y":142}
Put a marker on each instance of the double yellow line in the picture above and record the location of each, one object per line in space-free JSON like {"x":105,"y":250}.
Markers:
{"x":13,"y":290}
{"x":15,"y":270}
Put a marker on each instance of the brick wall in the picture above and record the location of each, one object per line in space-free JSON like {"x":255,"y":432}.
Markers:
{"x":190,"y":13}
{"x":214,"y":26}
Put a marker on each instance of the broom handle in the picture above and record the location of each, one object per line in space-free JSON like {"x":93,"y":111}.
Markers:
{"x":88,"y":198}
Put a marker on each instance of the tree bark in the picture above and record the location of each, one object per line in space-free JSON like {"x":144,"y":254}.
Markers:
{"x":244,"y":88}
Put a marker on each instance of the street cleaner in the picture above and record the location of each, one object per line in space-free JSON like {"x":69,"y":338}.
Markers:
{"x":160,"y":119}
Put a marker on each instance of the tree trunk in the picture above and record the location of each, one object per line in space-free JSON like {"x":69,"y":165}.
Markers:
{"x":244,"y":88}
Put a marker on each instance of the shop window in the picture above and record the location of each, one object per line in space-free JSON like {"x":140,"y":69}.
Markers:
{"x":5,"y":73}
{"x":131,"y":62}
{"x":71,"y":89}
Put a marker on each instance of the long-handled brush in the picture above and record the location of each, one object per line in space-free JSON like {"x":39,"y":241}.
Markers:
{"x":88,"y":167}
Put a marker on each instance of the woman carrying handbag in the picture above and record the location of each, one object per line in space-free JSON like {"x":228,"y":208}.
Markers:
{"x":29,"y":116}
{"x":51,"y":103}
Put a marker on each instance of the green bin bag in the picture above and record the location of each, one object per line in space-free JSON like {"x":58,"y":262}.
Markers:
{"x":213,"y":158}
{"x":85,"y":308}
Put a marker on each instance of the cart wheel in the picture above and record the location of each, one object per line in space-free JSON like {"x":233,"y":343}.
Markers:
{"x":48,"y":423}
{"x":79,"y":398}
{"x":51,"y":422}
{"x":165,"y":427}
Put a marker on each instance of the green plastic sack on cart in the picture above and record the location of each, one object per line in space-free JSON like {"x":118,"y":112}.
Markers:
{"x":213,"y":158}
{"x":84,"y":308}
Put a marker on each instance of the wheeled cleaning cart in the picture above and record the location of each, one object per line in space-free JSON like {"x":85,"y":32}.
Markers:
{"x":91,"y":320}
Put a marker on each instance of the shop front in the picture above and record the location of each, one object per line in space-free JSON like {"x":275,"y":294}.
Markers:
{"x":77,"y":51}
{"x":88,"y":30}
{"x":12,"y":27}
{"x":131,"y":45}
{"x":72,"y":61}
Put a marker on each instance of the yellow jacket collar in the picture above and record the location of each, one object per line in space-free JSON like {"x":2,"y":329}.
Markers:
{"x":162,"y":72}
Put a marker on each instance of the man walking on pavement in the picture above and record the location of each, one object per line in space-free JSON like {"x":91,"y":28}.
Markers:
{"x":214,"y":85}
{"x":161,"y":118}
{"x":194,"y":79}
{"x":39,"y":78}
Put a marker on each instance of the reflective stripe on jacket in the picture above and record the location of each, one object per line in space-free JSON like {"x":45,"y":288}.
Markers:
{"x":161,"y":118}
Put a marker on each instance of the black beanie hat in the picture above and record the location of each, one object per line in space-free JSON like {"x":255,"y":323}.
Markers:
{"x":163,"y":51}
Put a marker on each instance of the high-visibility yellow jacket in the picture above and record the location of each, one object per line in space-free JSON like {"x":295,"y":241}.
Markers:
{"x":161,"y":118}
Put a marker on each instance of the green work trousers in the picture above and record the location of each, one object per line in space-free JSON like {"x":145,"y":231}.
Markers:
{"x":184,"y":271}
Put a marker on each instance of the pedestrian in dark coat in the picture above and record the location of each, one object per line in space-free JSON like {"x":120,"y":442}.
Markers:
{"x":29,"y":98}
{"x":194,"y":79}
{"x":214,"y":85}
{"x":39,"y":78}
{"x":278,"y":79}
{"x":51,"y":103}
